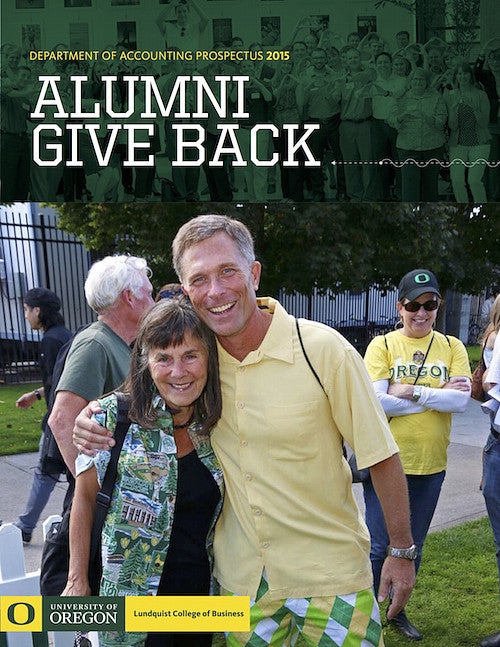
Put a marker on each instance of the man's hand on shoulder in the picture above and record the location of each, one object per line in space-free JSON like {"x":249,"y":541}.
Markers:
{"x":88,"y":435}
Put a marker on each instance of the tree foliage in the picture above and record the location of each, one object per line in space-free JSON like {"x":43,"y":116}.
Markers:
{"x":326,"y":246}
{"x":462,"y":15}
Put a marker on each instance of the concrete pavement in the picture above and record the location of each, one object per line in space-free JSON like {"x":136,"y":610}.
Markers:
{"x":461,"y":499}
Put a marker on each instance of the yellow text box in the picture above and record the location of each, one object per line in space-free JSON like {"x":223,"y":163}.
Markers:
{"x":21,"y":613}
{"x":187,"y":613}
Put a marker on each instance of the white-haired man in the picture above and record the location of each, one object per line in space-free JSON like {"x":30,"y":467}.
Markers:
{"x":118,"y":289}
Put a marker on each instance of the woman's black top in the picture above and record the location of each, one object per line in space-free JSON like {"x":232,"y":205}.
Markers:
{"x":187,"y":570}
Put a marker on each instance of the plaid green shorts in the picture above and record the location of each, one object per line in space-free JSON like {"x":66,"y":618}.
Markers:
{"x":344,"y":620}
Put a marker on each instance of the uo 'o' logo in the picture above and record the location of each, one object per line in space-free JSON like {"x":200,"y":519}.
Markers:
{"x":21,"y":613}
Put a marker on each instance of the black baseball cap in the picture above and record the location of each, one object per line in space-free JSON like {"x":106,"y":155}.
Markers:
{"x":417,"y":282}
{"x":42,"y":298}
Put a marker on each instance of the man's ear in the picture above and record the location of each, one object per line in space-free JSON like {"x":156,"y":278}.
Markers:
{"x":126,"y":296}
{"x":256,"y":270}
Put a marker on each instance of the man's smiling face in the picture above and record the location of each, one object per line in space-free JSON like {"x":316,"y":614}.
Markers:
{"x":221,"y":284}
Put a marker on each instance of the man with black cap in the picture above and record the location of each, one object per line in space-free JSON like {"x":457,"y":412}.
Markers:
{"x":42,"y":312}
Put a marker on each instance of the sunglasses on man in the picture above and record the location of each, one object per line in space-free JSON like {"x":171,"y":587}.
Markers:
{"x":414,"y":306}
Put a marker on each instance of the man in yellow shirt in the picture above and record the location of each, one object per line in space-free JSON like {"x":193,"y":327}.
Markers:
{"x":290,"y":535}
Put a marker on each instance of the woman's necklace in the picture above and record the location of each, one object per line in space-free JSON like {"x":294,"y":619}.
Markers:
{"x":185,"y":425}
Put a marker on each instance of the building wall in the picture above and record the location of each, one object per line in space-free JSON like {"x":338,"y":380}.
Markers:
{"x":41,"y":24}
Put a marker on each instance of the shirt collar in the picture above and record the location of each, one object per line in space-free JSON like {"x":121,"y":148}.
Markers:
{"x":277,"y":344}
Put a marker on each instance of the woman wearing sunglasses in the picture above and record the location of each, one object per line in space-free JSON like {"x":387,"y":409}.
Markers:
{"x":421,"y":377}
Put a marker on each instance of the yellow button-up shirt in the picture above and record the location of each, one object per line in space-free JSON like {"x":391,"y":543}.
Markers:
{"x":289,"y":507}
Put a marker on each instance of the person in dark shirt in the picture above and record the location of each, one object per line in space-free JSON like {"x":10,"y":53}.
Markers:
{"x":42,"y":312}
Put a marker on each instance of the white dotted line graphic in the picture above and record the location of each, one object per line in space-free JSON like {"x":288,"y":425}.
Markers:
{"x":420,"y":163}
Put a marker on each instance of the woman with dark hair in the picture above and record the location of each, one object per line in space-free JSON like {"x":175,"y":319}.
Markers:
{"x":158,"y":533}
{"x":468,"y":113}
{"x":420,"y":377}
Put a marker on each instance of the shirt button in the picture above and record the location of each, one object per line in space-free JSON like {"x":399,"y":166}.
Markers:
{"x":265,"y":544}
{"x":244,"y":443}
{"x":257,"y":512}
{"x":248,"y":477}
{"x":240,"y":405}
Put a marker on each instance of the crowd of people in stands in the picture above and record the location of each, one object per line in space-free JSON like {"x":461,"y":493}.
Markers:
{"x":398,"y":121}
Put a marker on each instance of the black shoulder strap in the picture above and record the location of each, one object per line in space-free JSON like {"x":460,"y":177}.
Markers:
{"x":305,"y":355}
{"x":103,"y":498}
{"x":344,"y":450}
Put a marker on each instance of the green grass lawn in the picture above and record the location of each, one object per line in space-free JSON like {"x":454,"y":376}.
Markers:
{"x":19,"y":428}
{"x":474,"y":353}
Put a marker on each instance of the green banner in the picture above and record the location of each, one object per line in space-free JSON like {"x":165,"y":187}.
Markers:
{"x":83,"y":613}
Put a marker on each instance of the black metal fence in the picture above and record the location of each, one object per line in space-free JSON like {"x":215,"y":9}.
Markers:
{"x":33,"y":253}
{"x":359,"y":316}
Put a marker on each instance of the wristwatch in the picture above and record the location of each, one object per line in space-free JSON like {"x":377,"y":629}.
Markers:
{"x":417,"y":392}
{"x":410,"y":553}
{"x":38,"y":395}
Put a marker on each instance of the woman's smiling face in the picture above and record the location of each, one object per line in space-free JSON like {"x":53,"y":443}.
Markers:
{"x":421,"y":322}
{"x":180,"y":372}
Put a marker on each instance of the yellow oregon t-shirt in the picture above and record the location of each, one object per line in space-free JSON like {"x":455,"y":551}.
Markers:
{"x":422,"y":437}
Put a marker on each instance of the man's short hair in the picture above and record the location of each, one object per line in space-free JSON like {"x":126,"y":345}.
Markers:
{"x":108,"y":278}
{"x":201,"y":228}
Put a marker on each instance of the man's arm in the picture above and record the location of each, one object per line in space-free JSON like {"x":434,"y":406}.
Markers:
{"x":398,"y":574}
{"x":89,"y":435}
{"x":162,"y":17}
{"x":203,"y":18}
{"x":80,"y":529}
{"x":66,"y":407}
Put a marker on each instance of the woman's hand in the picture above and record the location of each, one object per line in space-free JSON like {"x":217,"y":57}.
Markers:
{"x":458,"y":384}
